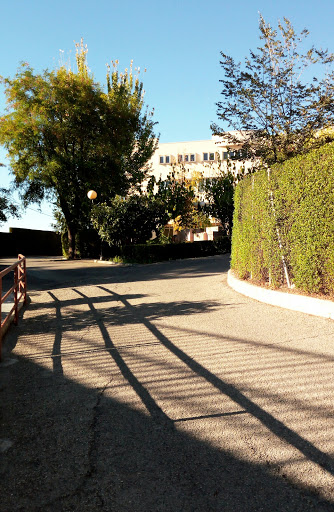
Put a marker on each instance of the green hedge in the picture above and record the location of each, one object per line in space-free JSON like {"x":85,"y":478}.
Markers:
{"x":91,"y":247}
{"x":151,"y":253}
{"x":292,"y":204}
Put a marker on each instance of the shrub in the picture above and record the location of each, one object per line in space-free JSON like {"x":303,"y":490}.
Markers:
{"x":150,"y":253}
{"x":288,"y":213}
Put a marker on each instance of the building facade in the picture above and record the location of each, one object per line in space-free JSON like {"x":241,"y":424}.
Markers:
{"x":202,"y":160}
{"x":208,"y":157}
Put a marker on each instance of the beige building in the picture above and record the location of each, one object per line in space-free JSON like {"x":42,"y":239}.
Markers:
{"x":203,"y":159}
{"x":208,"y":157}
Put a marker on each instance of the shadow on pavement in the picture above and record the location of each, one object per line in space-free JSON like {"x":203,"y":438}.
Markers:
{"x":73,"y":447}
{"x":76,"y":449}
{"x":277,"y":427}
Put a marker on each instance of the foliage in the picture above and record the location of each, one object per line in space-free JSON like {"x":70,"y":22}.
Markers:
{"x":255,"y":249}
{"x":219,"y":192}
{"x":133,"y":218}
{"x":275,"y":113}
{"x":177,"y":194}
{"x":219,"y":198}
{"x":294,"y":201}
{"x":117,"y":259}
{"x":129,"y":220}
{"x":163,"y":239}
{"x":199,"y":219}
{"x":160,"y":239}
{"x":7,"y":206}
{"x":65,"y":136}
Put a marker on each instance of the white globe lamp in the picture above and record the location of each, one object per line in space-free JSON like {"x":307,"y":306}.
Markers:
{"x":92,"y":194}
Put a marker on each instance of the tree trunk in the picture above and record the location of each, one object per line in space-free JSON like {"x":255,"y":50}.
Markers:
{"x":72,"y":230}
{"x":72,"y":251}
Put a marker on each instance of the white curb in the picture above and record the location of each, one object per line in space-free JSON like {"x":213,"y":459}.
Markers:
{"x":105,"y":262}
{"x":301,"y":303}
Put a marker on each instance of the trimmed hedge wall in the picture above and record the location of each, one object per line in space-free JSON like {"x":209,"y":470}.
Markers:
{"x":287,"y":212}
{"x":151,"y":253}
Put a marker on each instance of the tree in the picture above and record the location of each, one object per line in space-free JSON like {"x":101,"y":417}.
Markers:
{"x":129,"y":220}
{"x":219,"y":193}
{"x":177,"y":194}
{"x":7,"y":207}
{"x":65,"y":136}
{"x":275,"y":113}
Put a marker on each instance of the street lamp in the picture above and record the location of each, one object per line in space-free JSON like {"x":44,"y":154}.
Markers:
{"x":92,"y":195}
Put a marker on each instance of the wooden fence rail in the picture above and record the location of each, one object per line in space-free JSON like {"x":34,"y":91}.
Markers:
{"x":19,"y":290}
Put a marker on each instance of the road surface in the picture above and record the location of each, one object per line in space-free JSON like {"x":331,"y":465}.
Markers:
{"x":158,"y":388}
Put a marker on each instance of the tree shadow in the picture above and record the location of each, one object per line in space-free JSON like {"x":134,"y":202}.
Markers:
{"x":277,"y":427}
{"x":75,"y":448}
{"x":78,"y":447}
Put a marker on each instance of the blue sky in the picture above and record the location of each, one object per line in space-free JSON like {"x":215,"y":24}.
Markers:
{"x":178,"y":42}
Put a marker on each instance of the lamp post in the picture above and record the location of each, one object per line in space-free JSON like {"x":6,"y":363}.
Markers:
{"x":91,"y":194}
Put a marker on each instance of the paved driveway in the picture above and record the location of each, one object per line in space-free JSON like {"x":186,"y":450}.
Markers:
{"x":158,"y":388}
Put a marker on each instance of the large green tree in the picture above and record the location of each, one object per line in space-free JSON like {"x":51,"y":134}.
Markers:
{"x":177,"y":194}
{"x":272,"y":102}
{"x":219,"y":204}
{"x":65,"y":135}
{"x":129,"y":220}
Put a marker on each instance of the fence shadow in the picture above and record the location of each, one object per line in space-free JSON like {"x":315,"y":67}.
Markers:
{"x":277,"y":427}
{"x":76,"y":448}
{"x":70,"y":442}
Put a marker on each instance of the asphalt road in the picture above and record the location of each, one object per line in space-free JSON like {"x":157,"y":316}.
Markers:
{"x":158,"y":388}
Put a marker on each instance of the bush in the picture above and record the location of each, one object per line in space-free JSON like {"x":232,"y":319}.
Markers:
{"x":292,"y":205}
{"x":150,"y":253}
{"x":128,"y":220}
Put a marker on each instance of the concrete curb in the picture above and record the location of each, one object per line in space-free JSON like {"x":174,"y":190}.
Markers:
{"x":104,"y":262}
{"x":301,"y":303}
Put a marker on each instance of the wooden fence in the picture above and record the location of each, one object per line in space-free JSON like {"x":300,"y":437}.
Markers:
{"x":18,"y":290}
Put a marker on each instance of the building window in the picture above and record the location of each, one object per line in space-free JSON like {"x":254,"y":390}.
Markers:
{"x":192,"y":158}
{"x":179,"y":158}
{"x":211,"y":156}
{"x":231,"y":154}
{"x":205,"y":157}
{"x":161,"y":159}
{"x":186,"y":158}
{"x":167,"y":159}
